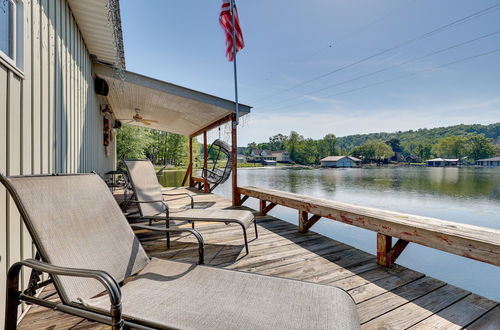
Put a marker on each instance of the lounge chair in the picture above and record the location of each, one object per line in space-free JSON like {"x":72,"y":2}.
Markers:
{"x":152,"y":206}
{"x":87,"y":247}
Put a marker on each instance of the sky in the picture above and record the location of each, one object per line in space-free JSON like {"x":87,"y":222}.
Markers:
{"x":329,"y":66}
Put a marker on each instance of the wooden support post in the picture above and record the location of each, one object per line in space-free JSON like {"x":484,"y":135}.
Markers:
{"x":264,"y":207}
{"x":234,"y":161}
{"x":206,"y":187}
{"x":386,"y":253}
{"x":305,"y":222}
{"x":190,"y":168}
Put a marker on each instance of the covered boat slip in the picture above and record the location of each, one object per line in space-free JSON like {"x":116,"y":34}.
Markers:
{"x":389,"y":298}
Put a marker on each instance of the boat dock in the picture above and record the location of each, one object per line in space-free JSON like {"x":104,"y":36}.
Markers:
{"x":387,"y":297}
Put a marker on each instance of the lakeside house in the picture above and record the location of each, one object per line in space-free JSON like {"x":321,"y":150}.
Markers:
{"x":495,"y":161}
{"x":242,"y":158}
{"x":259,"y":155}
{"x":282,"y":156}
{"x":443,"y":162}
{"x":340,"y":161}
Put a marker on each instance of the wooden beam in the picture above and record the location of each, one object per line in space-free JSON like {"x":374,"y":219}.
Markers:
{"x":244,"y":199}
{"x":206,"y":187}
{"x":305,"y":222}
{"x":479,"y":243}
{"x":190,"y":167}
{"x":264,"y":208}
{"x":215,"y":124}
{"x":386,"y":253}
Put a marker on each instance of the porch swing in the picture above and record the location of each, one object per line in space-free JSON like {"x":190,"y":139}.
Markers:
{"x":219,"y":152}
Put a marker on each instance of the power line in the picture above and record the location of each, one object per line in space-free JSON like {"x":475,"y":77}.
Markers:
{"x":400,"y":77}
{"x":399,"y":45}
{"x":392,"y":66}
{"x":330,"y":45}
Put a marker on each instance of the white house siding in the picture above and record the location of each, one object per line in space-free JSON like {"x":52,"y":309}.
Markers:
{"x":49,"y":117}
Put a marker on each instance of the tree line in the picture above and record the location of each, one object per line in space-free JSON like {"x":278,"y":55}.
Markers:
{"x":161,"y":148}
{"x":467,"y":142}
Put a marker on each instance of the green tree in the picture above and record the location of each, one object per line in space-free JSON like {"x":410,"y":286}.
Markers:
{"x":373,"y":150}
{"x":277,"y":142}
{"x":327,"y":146}
{"x":451,"y":147}
{"x":251,"y":146}
{"x":307,"y":152}
{"x":479,"y":146}
{"x":132,"y":142}
{"x":292,"y":145}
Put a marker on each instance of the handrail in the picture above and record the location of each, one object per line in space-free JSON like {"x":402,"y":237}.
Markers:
{"x":479,"y":243}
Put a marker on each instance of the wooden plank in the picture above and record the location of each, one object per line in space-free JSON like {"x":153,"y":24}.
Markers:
{"x":419,"y":309}
{"x":381,"y":286}
{"x":363,"y":278}
{"x":388,"y":301}
{"x":489,"y":321}
{"x":459,"y":314}
{"x":462,"y":239}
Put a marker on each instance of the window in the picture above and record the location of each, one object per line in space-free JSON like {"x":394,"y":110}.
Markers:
{"x":11,"y":31}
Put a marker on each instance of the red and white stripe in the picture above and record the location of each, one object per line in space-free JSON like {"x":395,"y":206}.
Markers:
{"x":226,"y":23}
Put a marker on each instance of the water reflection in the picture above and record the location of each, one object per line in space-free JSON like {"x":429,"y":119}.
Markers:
{"x":467,"y":195}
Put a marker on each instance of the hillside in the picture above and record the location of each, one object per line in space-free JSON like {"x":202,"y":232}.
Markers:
{"x":422,"y":136}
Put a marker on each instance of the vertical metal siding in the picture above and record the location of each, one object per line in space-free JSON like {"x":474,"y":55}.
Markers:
{"x":49,"y":119}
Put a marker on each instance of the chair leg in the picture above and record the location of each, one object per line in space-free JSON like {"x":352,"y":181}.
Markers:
{"x":255,"y":225}
{"x":12,"y":300}
{"x":245,"y":236}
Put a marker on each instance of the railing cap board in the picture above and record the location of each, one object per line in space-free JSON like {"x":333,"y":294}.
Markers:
{"x":467,"y":240}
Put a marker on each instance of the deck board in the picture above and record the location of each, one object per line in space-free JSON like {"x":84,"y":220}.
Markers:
{"x":392,"y":298}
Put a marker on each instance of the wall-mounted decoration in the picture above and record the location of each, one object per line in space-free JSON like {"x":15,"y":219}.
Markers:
{"x":107,"y":135}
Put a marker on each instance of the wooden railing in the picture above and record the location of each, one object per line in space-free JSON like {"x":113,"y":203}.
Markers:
{"x":473,"y":242}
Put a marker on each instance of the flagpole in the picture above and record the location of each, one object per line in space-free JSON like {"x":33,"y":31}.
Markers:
{"x":237,"y":108}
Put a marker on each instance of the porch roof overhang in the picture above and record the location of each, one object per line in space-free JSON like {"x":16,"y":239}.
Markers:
{"x":177,"y":109}
{"x":101,"y":29}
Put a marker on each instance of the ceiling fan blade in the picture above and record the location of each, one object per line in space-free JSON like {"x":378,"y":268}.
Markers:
{"x":145,"y":122}
{"x":152,"y":121}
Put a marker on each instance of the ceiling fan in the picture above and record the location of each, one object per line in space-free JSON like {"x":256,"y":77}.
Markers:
{"x":138,"y":118}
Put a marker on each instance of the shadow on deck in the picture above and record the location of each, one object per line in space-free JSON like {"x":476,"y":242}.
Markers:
{"x":395,"y":298}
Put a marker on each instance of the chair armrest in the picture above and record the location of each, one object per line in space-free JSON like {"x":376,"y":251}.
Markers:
{"x":106,"y":280}
{"x":195,"y":233}
{"x":182,"y":194}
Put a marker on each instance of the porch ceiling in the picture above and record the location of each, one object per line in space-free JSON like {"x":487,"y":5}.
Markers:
{"x":177,"y":109}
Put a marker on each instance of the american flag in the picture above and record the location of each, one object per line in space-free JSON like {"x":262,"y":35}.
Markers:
{"x":226,"y":23}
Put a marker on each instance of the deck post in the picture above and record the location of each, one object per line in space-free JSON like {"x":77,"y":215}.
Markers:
{"x":386,"y":252}
{"x":190,"y":167}
{"x":234,"y":161}
{"x":305,"y":222}
{"x":206,"y":187}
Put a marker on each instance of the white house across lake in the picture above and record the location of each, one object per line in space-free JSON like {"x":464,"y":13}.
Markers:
{"x":495,"y":161}
{"x":340,"y":161}
{"x":443,"y":162}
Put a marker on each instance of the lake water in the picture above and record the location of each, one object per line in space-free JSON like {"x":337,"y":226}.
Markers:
{"x":466,"y":195}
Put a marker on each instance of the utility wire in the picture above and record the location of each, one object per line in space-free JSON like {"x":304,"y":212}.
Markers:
{"x":401,"y":77}
{"x":329,"y":46}
{"x":392,"y":66}
{"x":399,"y":45}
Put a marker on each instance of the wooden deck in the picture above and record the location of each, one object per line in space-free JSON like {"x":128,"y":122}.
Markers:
{"x":395,"y":298}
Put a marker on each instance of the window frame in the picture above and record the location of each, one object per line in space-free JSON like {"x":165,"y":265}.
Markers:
{"x":16,"y":61}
